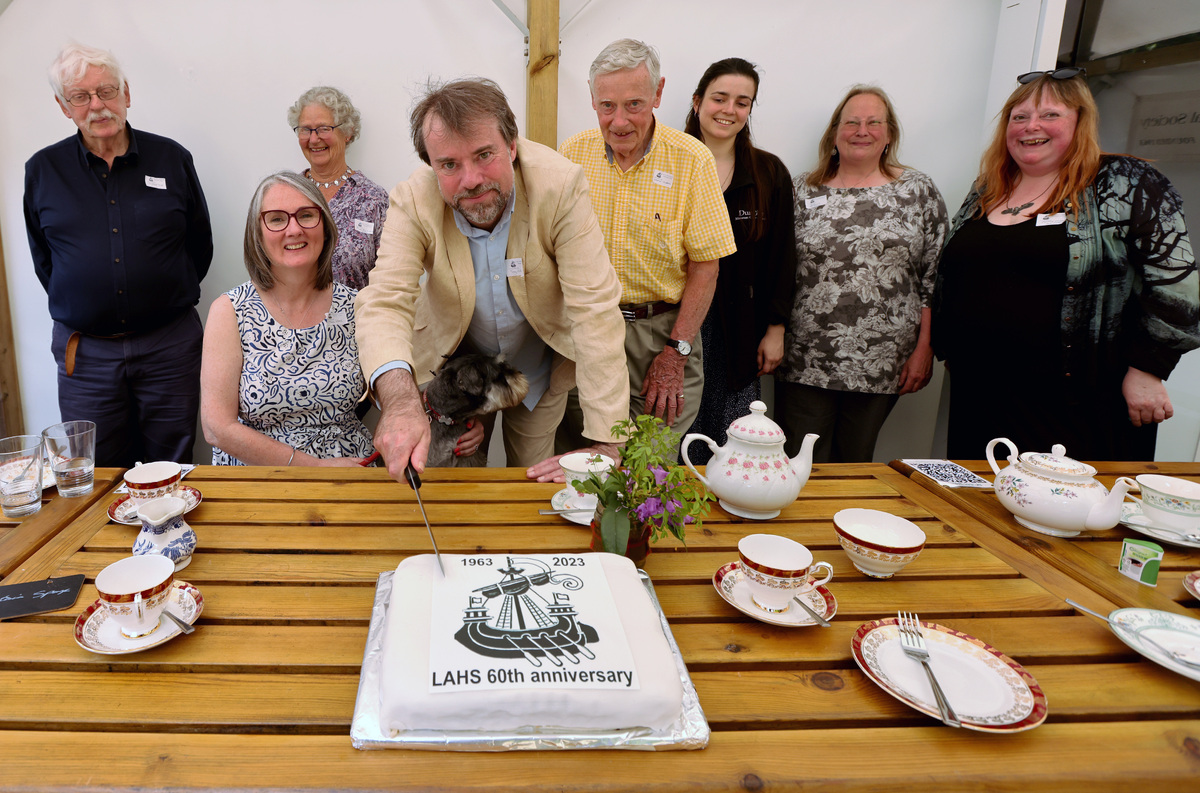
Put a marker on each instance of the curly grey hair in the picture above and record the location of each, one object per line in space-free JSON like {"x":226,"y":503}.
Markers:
{"x":343,"y":110}
{"x":255,"y":255}
{"x":69,"y":67}
{"x":623,"y":55}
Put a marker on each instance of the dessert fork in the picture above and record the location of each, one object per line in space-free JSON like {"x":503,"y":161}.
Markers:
{"x":909,"y":626}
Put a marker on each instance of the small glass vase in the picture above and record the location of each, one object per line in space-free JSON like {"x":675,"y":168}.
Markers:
{"x":639,"y":537}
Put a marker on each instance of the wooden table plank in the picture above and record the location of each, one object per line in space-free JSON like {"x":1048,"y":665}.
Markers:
{"x":227,"y":646}
{"x":1055,"y":758}
{"x":324,"y":703}
{"x":547,"y":533}
{"x":691,"y":566}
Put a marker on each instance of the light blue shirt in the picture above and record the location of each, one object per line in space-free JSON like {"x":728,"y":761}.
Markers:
{"x":498,"y":326}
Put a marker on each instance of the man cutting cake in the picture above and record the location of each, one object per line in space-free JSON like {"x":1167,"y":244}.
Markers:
{"x":516,"y":265}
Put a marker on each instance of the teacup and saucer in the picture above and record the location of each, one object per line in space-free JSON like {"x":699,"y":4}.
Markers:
{"x":770,"y":571}
{"x":1168,"y":510}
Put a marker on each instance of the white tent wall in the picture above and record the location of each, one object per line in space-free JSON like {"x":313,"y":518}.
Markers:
{"x":219,"y":76}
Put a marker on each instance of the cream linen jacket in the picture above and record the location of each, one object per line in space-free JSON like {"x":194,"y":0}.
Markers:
{"x":569,"y":291}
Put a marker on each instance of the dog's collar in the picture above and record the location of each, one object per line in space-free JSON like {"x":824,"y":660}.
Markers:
{"x":432,"y":411}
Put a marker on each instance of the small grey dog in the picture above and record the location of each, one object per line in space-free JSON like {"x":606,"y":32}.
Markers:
{"x":468,"y":386}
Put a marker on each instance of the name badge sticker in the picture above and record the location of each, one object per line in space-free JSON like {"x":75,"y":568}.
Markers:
{"x":157,"y":182}
{"x":337,"y":318}
{"x":663,"y":178}
{"x":515,"y":267}
{"x":815,"y":201}
{"x":1057,"y":219}
{"x":364,"y":226}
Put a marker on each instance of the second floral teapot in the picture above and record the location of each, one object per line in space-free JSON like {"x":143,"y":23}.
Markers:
{"x":751,"y":475}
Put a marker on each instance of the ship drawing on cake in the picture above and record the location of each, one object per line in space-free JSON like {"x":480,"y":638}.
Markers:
{"x":528,"y":624}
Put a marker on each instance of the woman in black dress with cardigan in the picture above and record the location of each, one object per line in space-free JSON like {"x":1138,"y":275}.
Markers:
{"x":1068,"y":289}
{"x":743,"y":332}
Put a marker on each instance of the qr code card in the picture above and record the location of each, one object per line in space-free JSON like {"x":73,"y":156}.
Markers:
{"x":948,"y":474}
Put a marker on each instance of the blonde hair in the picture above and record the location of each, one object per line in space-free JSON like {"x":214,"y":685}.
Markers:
{"x":999,"y":173}
{"x":827,"y":153}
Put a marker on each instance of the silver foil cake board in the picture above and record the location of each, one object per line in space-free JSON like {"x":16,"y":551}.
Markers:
{"x":690,"y":730}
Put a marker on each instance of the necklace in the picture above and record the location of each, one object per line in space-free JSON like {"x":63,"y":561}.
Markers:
{"x":334,"y":183}
{"x":859,"y":183}
{"x":287,"y":318}
{"x":727,"y":179}
{"x":1011,"y":210}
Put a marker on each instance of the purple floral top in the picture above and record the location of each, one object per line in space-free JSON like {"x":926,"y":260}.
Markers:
{"x":359,"y":209}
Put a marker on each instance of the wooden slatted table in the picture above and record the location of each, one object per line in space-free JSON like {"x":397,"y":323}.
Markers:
{"x":261,"y":696}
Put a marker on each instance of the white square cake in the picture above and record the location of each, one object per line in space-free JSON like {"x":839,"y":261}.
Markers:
{"x":525,"y":642}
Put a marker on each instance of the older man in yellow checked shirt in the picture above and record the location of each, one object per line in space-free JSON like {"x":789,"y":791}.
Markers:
{"x":658,"y":199}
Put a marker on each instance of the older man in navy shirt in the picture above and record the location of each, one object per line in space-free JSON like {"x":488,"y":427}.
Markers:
{"x":120,"y":236}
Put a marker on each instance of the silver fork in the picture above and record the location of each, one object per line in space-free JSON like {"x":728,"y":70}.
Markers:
{"x":909,"y":626}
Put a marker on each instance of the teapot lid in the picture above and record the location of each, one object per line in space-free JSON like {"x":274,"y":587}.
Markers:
{"x":1056,"y":462}
{"x":755,"y":427}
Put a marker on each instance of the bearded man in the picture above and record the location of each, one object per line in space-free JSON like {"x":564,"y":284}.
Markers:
{"x":516,"y":266}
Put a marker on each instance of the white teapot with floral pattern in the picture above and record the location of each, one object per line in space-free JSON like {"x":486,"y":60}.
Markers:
{"x":750,"y":475}
{"x":1053,"y":494}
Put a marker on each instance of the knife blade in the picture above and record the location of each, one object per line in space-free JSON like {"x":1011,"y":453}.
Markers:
{"x":824,"y":623}
{"x":415,"y":481}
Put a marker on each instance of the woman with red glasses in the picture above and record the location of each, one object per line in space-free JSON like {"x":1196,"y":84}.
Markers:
{"x":280,"y":377}
{"x":1068,"y":289}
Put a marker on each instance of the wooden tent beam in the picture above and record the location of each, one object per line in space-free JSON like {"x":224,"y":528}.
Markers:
{"x":541,"y":88}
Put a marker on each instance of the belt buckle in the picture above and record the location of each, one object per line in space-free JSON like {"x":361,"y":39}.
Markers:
{"x":628,"y":314}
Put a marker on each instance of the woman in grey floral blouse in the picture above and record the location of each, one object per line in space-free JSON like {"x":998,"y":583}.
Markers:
{"x":868,"y":234}
{"x":326,"y":122}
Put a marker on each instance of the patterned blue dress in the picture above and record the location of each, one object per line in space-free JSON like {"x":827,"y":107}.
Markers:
{"x":300,"y":386}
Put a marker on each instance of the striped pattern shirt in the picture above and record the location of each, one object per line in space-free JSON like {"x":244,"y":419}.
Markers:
{"x":664,"y":211}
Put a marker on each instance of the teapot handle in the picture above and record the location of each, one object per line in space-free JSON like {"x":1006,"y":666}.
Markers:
{"x":683,"y":451}
{"x":991,"y":457}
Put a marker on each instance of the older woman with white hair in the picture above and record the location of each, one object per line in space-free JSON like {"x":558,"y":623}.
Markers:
{"x":326,"y":122}
{"x":280,"y":377}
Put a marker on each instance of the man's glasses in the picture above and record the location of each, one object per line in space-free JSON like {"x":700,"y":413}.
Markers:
{"x":304,"y":132}
{"x":277,"y":219}
{"x":1065,"y":73}
{"x":104,"y":92}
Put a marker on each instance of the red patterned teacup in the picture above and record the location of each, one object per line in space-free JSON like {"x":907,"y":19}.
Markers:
{"x":777,"y":568}
{"x":135,"y":590}
{"x":152,"y":480}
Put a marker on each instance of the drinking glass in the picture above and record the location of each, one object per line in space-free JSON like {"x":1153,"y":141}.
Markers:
{"x":21,"y":475}
{"x":71,"y":450}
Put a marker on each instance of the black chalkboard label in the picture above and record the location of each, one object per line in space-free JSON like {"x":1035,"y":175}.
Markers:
{"x":38,"y":597}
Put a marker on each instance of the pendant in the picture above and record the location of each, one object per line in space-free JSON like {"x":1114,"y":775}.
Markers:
{"x":1016,"y":210}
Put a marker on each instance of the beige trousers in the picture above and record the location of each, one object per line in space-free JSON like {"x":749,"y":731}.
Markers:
{"x":644,"y":339}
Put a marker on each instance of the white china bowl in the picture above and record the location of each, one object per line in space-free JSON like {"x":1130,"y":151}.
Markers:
{"x":878,"y":543}
{"x":577,"y":465}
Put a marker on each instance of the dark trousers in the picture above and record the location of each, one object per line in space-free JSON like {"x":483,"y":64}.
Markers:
{"x":143,"y":390}
{"x":847,"y":421}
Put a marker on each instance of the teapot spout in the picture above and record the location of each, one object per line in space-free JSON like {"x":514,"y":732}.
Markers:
{"x":802,"y":462}
{"x":1107,"y":513}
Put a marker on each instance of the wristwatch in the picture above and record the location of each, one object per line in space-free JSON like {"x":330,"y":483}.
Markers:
{"x":682,"y":347}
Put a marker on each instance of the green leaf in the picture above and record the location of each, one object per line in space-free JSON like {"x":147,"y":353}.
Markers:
{"x":622,"y":530}
{"x":608,"y":531}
